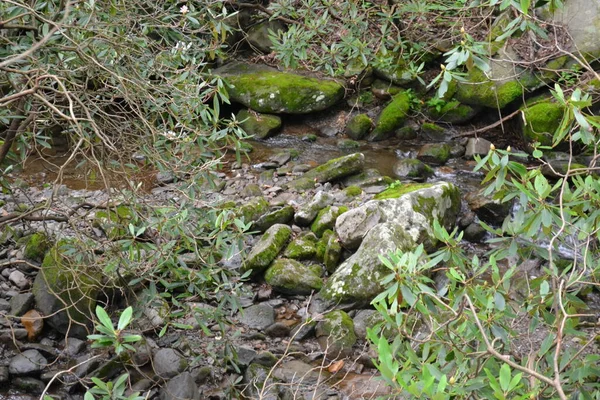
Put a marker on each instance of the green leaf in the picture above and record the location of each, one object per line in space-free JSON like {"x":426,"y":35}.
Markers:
{"x":499,"y":301}
{"x":125,"y":318}
{"x":104,"y":318}
{"x":505,"y":376}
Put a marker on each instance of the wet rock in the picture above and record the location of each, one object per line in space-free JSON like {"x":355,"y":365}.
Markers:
{"x":359,"y":126}
{"x":329,"y":250}
{"x":391,"y":118}
{"x":267,"y":90}
{"x":33,"y":322}
{"x":21,"y":303}
{"x":326,"y":219}
{"x":260,"y":126}
{"x":488,"y":209}
{"x":308,"y":212}
{"x":335,"y":334}
{"x":452,"y":112}
{"x":73,"y":346}
{"x":258,"y":316}
{"x":433,"y":132}
{"x":19,"y":279}
{"x":168,"y":363}
{"x":28,"y":385}
{"x":283,"y":215}
{"x":291,"y":277}
{"x":267,"y":248}
{"x":413,"y":169}
{"x":332,"y":170}
{"x":304,"y":247}
{"x":477,"y":146}
{"x":29,"y":362}
{"x":347,"y":144}
{"x":353,"y":225}
{"x":181,"y":387}
{"x":434,"y":153}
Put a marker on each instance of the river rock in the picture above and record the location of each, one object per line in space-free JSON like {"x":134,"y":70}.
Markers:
{"x":477,"y":146}
{"x":434,"y":153}
{"x":302,"y":248}
{"x":391,"y":118}
{"x":326,"y":219}
{"x":73,"y":346}
{"x":66,"y":292}
{"x":258,"y":34}
{"x":540,"y":120}
{"x":260,"y":126}
{"x":433,"y":132}
{"x":258,"y":316}
{"x":359,"y":126}
{"x":19,"y":279}
{"x":4,"y":306}
{"x":453,"y":112}
{"x":488,"y":209}
{"x":330,"y":171}
{"x":21,"y":303}
{"x":353,"y":225}
{"x":365,"y":319}
{"x":268,"y":90}
{"x":335,"y":334}
{"x":267,"y":248}
{"x":413,"y":169}
{"x":308,"y":211}
{"x":181,"y":387}
{"x":36,"y":246}
{"x":329,"y":250}
{"x":168,"y":362}
{"x":291,"y":277}
{"x":253,"y":209}
{"x":29,"y":362}
{"x":281,"y":215}
{"x":406,"y":217}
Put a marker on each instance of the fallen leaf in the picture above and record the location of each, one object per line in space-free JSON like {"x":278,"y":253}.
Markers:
{"x":33,"y":322}
{"x":336,"y":366}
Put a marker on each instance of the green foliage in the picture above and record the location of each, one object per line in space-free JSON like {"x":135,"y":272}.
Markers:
{"x":110,"y":336}
{"x":111,"y":390}
{"x":462,"y":321}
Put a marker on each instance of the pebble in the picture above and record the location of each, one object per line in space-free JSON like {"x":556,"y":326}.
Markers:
{"x":73,"y":346}
{"x":29,"y":362}
{"x":19,"y":279}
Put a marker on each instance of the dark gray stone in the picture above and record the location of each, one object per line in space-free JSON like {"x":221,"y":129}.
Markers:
{"x":278,"y":329}
{"x":168,"y":363}
{"x":73,"y":346}
{"x":28,"y":385}
{"x":3,"y":374}
{"x":4,"y":305}
{"x":29,"y":362}
{"x":258,"y":316}
{"x":181,"y":387}
{"x":245,"y":355}
{"x":477,"y":146}
{"x":21,"y":303}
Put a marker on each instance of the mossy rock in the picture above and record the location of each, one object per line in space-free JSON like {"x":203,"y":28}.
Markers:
{"x":258,"y":34}
{"x":267,"y":248}
{"x":36,"y":246}
{"x":65,"y":291}
{"x":269,"y":91}
{"x":391,"y":118}
{"x":253,"y":209}
{"x":291,"y":277}
{"x":326,"y":219}
{"x":453,"y":112}
{"x":335,"y":334}
{"x":329,"y":250}
{"x":398,"y":73}
{"x":282,"y":215}
{"x":302,"y":248}
{"x":433,"y":132}
{"x":260,"y":126}
{"x":353,"y":191}
{"x":359,"y":126}
{"x":384,"y":89}
{"x":332,"y":170}
{"x":396,"y":191}
{"x":479,"y":90}
{"x":540,"y":121}
{"x":413,"y":169}
{"x":114,"y":222}
{"x":347,"y":144}
{"x":435,"y":153}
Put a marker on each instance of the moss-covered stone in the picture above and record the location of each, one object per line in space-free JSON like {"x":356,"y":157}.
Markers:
{"x":433,"y":132}
{"x":302,"y":248}
{"x":347,"y":144}
{"x":435,"y":153}
{"x":479,"y":90}
{"x":267,"y":248}
{"x":65,"y":290}
{"x":270,"y":91}
{"x":540,"y":121}
{"x":353,"y":191}
{"x":260,"y":126}
{"x":332,"y":170}
{"x":291,"y":277}
{"x":410,"y":168}
{"x":398,"y":73}
{"x":391,"y":118}
{"x":369,"y":178}
{"x":258,"y":34}
{"x":253,"y":209}
{"x":399,"y":190}
{"x":384,"y":89}
{"x":282,"y":215}
{"x":114,"y":222}
{"x":359,"y":126}
{"x":335,"y":334}
{"x":453,"y":112}
{"x":326,"y":219}
{"x":36,"y":246}
{"x":329,"y":250}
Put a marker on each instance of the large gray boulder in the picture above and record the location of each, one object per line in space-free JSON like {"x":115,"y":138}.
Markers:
{"x":406,"y":216}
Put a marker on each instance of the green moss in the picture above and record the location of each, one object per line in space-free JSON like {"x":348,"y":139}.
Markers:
{"x":541,"y":120}
{"x":333,"y":169}
{"x":280,"y":216}
{"x":302,"y":248}
{"x":114,"y":222}
{"x":347,"y":144}
{"x":326,"y":218}
{"x":395,"y":192}
{"x":426,"y":206}
{"x":353,"y":191}
{"x":253,"y":209}
{"x":481,"y":91}
{"x":359,"y":126}
{"x":36,"y":247}
{"x":435,"y":153}
{"x":280,"y":92}
{"x":291,"y":277}
{"x":267,"y":249}
{"x":336,"y":332}
{"x":260,"y":126}
{"x":453,"y":112}
{"x":329,"y":250}
{"x":392,"y":117}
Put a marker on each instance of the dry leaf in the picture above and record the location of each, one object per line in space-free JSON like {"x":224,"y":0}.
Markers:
{"x":33,"y":323}
{"x":336,"y":366}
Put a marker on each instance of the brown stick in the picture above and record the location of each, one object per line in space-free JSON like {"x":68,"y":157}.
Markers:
{"x":489,"y":127}
{"x":17,"y":127}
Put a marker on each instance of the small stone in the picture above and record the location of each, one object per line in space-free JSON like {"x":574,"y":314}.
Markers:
{"x":4,"y":305}
{"x":28,"y":385}
{"x":281,"y":158}
{"x":19,"y":279}
{"x":434,"y":153}
{"x":258,"y":316}
{"x":477,"y":146}
{"x":33,"y":323}
{"x":21,"y":303}
{"x":245,"y":355}
{"x":474,"y":233}
{"x":164,"y":178}
{"x":413,"y":169}
{"x":29,"y":362}
{"x":73,"y":346}
{"x":278,"y":329}
{"x":168,"y":363}
{"x":266,"y":359}
{"x":3,"y":374}
{"x":181,"y":387}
